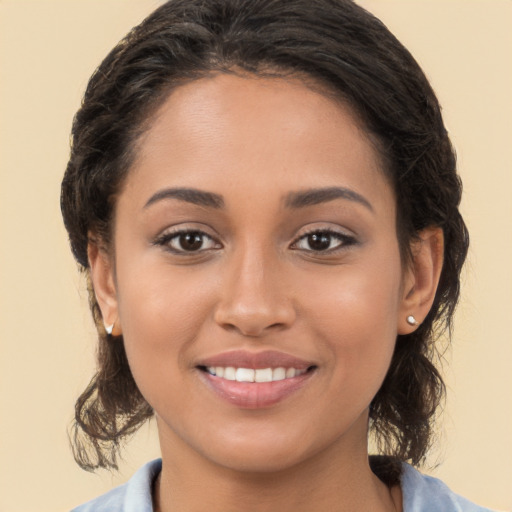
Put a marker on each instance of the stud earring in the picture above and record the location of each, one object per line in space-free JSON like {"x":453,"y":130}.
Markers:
{"x":412,"y":321}
{"x":113,"y":330}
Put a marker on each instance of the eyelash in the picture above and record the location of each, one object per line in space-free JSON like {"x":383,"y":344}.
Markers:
{"x":166,"y":239}
{"x":344,"y":240}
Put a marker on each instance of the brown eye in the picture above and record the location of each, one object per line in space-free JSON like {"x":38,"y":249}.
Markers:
{"x":192,"y":241}
{"x":187,"y":241}
{"x":319,"y":241}
{"x":323,"y":241}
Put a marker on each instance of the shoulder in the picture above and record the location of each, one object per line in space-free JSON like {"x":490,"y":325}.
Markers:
{"x":133,"y":495}
{"x":423,"y":493}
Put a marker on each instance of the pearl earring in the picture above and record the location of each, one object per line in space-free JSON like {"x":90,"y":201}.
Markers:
{"x":412,"y":321}
{"x":109,"y":329}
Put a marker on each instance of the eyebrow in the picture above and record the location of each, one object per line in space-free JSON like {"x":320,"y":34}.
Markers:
{"x":315,"y":196}
{"x":189,"y":195}
{"x":293,"y":200}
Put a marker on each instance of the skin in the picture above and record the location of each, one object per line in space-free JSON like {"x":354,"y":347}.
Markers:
{"x":256,"y":284}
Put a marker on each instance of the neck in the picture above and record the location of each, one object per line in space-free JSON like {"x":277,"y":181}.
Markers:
{"x":326,"y":481}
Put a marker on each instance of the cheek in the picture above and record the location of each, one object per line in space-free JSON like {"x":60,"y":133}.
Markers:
{"x":155,"y":296}
{"x":353,"y":314}
{"x":162,"y":315}
{"x":354,"y":299}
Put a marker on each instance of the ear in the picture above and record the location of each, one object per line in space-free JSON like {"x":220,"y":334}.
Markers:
{"x":421,"y":278}
{"x":103,"y":282}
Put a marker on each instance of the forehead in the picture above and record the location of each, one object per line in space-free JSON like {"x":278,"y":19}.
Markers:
{"x":273,"y":134}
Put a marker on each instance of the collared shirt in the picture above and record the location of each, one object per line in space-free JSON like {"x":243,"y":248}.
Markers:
{"x":420,"y":494}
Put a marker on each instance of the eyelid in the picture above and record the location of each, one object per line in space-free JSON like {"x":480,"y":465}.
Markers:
{"x":164,"y":238}
{"x":346,"y":240}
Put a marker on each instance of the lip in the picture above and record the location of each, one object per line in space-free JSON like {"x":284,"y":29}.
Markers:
{"x":255,"y":395}
{"x":256,"y":360}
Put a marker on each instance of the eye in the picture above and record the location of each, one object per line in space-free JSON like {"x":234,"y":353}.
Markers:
{"x":187,"y":241}
{"x":323,"y":241}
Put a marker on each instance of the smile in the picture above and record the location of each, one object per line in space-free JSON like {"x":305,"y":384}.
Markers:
{"x":254,"y":375}
{"x":253,"y":380}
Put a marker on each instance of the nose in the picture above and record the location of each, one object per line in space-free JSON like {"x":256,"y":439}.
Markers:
{"x":254,"y":298}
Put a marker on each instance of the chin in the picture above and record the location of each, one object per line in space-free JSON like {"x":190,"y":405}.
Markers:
{"x":260,"y":461}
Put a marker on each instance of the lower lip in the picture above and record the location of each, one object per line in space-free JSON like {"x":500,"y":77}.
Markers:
{"x":255,"y":395}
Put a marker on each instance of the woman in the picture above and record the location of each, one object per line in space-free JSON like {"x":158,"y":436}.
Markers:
{"x":265,"y":202}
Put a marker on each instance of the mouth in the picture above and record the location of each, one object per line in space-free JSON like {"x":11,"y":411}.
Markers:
{"x":254,"y":375}
{"x":253,"y":381}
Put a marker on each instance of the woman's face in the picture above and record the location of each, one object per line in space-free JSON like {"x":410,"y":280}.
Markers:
{"x":255,"y":239}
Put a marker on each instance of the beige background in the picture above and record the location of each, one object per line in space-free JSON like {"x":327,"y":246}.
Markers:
{"x":48,"y":49}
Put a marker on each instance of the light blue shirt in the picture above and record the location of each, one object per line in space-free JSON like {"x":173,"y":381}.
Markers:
{"x":420,"y":494}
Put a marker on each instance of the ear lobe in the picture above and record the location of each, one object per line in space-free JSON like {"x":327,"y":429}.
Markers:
{"x":102,"y":277}
{"x":422,"y":278}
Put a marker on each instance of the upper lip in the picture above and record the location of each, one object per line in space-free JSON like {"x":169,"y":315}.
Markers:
{"x":256,"y":360}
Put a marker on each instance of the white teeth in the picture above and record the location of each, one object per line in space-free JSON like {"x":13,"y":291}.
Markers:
{"x":250,"y":375}
{"x":244,"y":375}
{"x":263,"y":375}
{"x":229,"y":373}
{"x":279,"y":374}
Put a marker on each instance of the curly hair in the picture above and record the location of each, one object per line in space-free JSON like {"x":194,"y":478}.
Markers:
{"x":335,"y":43}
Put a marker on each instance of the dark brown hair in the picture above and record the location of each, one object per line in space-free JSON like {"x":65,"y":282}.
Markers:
{"x":337,"y":44}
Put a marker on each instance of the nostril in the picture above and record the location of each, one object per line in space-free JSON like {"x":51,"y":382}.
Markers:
{"x":277,"y":325}
{"x":229,"y":327}
{"x":254,"y":312}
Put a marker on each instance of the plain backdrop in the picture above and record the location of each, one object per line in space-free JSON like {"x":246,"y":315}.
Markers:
{"x":48,"y":49}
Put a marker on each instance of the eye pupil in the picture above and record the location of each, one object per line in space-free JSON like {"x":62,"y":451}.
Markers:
{"x":319,"y":241}
{"x":191,"y":241}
